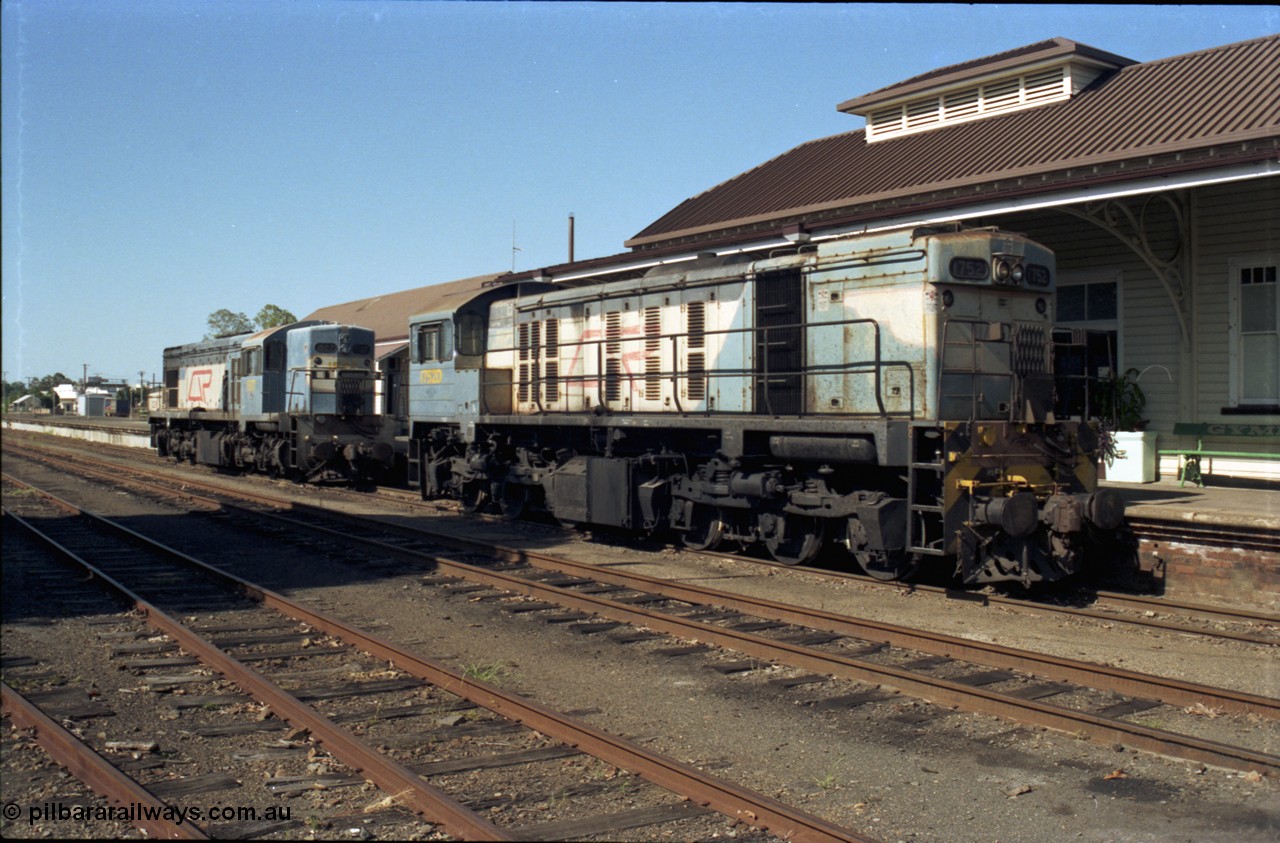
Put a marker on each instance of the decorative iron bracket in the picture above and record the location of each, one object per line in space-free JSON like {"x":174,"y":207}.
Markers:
{"x":1128,"y":221}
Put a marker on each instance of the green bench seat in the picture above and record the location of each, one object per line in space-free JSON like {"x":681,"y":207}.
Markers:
{"x":1189,"y":459}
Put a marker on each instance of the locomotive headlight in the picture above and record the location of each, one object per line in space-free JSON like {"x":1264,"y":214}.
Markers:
{"x":1002,"y":271}
{"x":1041,"y":306}
{"x":1016,"y":273}
{"x":316,"y":362}
{"x":948,"y":298}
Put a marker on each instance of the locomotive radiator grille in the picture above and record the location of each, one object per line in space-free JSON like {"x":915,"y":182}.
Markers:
{"x":522,"y":380}
{"x":613,"y":362}
{"x":652,"y":353}
{"x":696,"y":326}
{"x":529,"y":377}
{"x":1030,"y":355}
{"x":551,"y":368}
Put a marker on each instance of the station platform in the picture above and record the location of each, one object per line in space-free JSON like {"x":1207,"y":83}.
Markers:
{"x":131,"y":433}
{"x":1253,"y":508}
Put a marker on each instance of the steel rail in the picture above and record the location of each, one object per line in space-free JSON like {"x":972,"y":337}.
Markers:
{"x":1097,"y":676}
{"x":947,"y":692}
{"x":1123,"y":601}
{"x":146,"y":811}
{"x":1130,"y":602}
{"x":1100,"y":677}
{"x":963,"y":696}
{"x":726,"y":798}
{"x":392,"y":777}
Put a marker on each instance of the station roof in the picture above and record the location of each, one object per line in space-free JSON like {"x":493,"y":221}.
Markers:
{"x":388,"y":315}
{"x":1202,"y":110}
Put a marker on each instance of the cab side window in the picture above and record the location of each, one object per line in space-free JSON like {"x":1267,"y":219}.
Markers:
{"x":471,"y":327}
{"x":434,"y":342}
{"x":252,"y":361}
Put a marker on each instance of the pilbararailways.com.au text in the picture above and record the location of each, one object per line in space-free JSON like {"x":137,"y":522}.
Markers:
{"x":133,"y":812}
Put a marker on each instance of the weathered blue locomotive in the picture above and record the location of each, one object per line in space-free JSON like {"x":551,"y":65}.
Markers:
{"x":891,"y":394}
{"x":296,"y":400}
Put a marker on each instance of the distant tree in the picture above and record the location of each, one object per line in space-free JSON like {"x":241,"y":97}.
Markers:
{"x":224,"y":323}
{"x":273,"y":317}
{"x":41,"y":388}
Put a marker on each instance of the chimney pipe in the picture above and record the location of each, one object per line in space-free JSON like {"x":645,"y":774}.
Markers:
{"x":571,"y":238}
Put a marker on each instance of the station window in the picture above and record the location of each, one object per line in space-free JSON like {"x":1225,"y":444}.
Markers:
{"x":1086,"y":346}
{"x":1255,"y":332}
{"x":1089,"y":302}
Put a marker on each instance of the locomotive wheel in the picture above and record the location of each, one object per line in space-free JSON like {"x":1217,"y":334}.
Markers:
{"x":475,"y":495}
{"x":896,"y":565}
{"x":513,"y":500}
{"x":706,"y":528}
{"x":795,"y":540}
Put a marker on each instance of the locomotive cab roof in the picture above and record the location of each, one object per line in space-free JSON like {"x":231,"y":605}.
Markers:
{"x":267,"y":333}
{"x":473,"y":299}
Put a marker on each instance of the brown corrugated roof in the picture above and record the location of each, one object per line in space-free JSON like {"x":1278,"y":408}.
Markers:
{"x":388,"y":315}
{"x":1178,"y":114}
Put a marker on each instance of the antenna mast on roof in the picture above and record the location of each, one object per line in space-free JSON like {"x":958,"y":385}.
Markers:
{"x":514,"y":247}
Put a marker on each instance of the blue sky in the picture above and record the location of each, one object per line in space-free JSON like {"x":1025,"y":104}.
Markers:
{"x":163,"y":159}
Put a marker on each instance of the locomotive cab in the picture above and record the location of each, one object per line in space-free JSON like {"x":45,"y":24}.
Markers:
{"x":330,"y":370}
{"x":259,"y":374}
{"x":454,"y":379}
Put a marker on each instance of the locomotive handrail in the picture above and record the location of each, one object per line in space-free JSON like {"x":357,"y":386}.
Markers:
{"x":976,"y":370}
{"x":761,"y":374}
{"x":762,"y":355}
{"x":592,"y":295}
{"x":675,"y":373}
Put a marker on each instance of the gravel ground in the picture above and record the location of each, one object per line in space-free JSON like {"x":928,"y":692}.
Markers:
{"x":898,"y":769}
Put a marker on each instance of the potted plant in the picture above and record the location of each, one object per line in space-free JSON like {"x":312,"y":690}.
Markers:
{"x":1128,"y":449}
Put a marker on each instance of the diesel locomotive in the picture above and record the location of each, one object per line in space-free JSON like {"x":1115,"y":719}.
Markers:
{"x":296,"y":401}
{"x":888,"y":395}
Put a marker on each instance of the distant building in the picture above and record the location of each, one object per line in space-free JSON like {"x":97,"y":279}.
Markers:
{"x":66,"y":394}
{"x":26,"y":404}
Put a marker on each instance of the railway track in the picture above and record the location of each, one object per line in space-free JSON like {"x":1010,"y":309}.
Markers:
{"x":1105,"y":607}
{"x":157,"y":580}
{"x":1095,"y":700}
